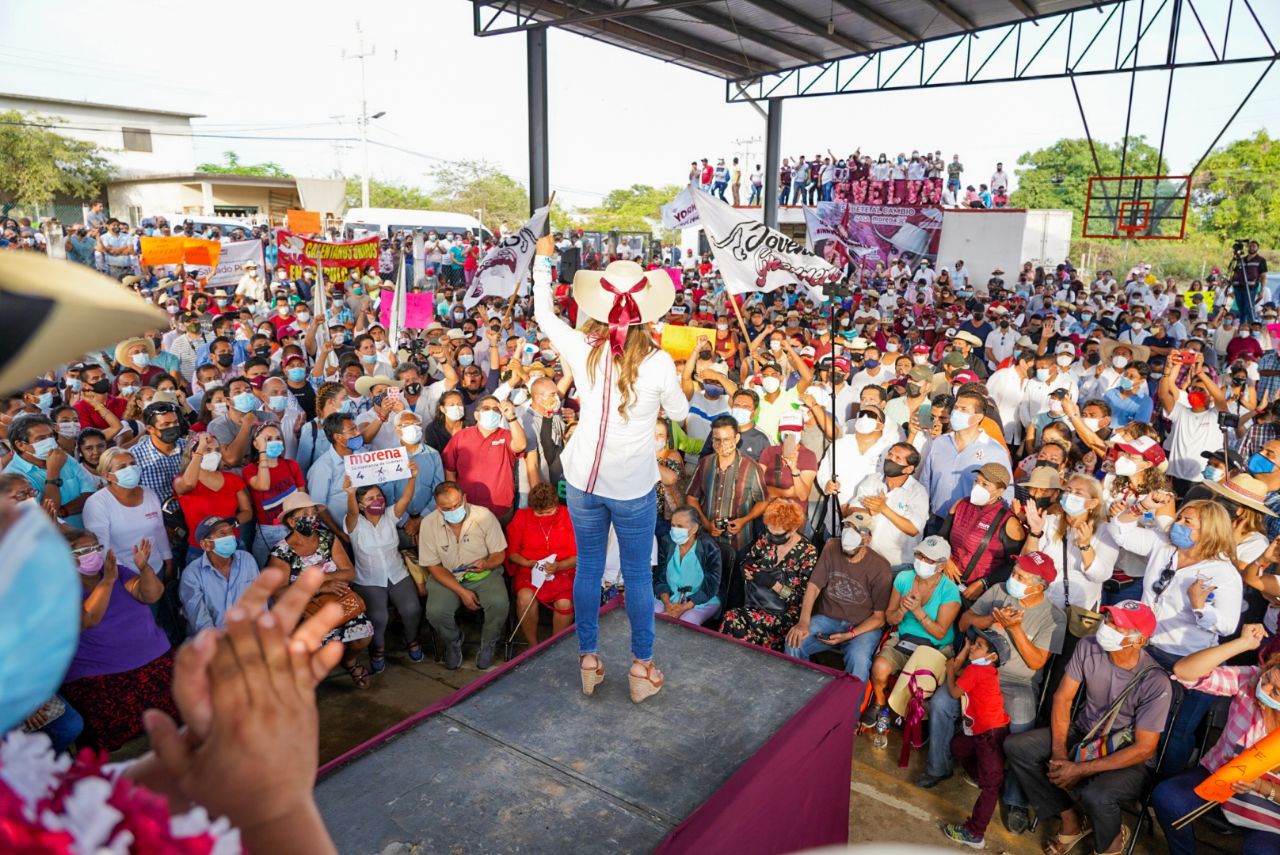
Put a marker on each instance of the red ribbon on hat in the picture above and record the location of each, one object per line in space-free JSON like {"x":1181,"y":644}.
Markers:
{"x":624,"y":313}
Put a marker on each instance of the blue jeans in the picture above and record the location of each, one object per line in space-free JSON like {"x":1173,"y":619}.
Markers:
{"x":828,"y":191}
{"x":1181,"y":736}
{"x":64,"y":729}
{"x":717,"y":189}
{"x":944,"y":712}
{"x":633,"y":521}
{"x":1175,"y":797}
{"x":756,"y":189}
{"x":797,"y":194}
{"x":857,"y":652}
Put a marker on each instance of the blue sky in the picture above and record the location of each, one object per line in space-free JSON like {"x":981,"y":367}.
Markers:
{"x":617,"y":118}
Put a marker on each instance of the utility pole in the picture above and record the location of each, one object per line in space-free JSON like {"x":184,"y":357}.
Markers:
{"x":364,"y":112}
{"x":747,"y":152}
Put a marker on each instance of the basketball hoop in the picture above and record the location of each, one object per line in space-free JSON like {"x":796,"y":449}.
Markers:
{"x":1137,"y":207}
{"x":1135,"y":216}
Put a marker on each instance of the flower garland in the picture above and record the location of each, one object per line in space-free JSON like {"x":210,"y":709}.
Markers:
{"x":53,"y":804}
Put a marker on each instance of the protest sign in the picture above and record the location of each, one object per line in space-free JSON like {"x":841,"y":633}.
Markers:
{"x":235,"y":254}
{"x":1188,"y":300}
{"x":304,"y":222}
{"x":680,"y":341}
{"x":377,"y":467}
{"x":296,"y":252}
{"x":754,"y":258}
{"x":680,"y":212}
{"x":418,"y":307}
{"x":180,"y":250}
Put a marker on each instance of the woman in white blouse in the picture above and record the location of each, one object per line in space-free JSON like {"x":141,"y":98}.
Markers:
{"x":381,"y":577}
{"x":1090,"y":556}
{"x":623,"y":380}
{"x":124,"y":513}
{"x":1192,"y":585}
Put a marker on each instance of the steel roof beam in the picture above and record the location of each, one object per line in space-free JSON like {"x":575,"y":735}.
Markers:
{"x":880,"y":20}
{"x":810,"y":25}
{"x":733,"y":29}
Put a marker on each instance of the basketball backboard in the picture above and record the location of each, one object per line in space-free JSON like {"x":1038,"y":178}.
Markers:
{"x":1141,"y":207}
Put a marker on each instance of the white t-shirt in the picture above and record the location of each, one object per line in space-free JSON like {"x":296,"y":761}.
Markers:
{"x":1192,"y":433}
{"x":1085,"y":585}
{"x":120,"y":528}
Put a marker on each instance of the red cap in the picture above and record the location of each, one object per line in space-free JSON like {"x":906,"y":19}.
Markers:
{"x":920,"y":348}
{"x":841,"y":364}
{"x":1039,"y":564}
{"x":967,"y":377}
{"x":1132,"y":614}
{"x":1146,"y":447}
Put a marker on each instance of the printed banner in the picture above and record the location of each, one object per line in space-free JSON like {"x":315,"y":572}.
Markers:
{"x":235,"y":254}
{"x":304,"y":222}
{"x":862,"y":235}
{"x":507,"y":263}
{"x":754,"y":258}
{"x":680,"y":212}
{"x":680,"y":341}
{"x":297,"y":252}
{"x":418,"y":307}
{"x":378,"y":467}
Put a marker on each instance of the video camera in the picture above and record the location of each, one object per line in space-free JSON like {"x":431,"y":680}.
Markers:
{"x":1238,"y":247}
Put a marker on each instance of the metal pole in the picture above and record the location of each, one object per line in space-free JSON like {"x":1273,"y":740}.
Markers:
{"x":539,"y":170}
{"x":772,"y":150}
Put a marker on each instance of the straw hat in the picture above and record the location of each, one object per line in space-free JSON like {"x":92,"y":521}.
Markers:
{"x":295,"y":501}
{"x":1141,"y":353}
{"x":624,"y":294}
{"x":366,"y":383}
{"x":923,"y":659}
{"x":1243,"y":490}
{"x":122,"y":349}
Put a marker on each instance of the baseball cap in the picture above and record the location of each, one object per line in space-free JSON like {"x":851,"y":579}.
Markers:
{"x":1233,"y":461}
{"x":793,"y":422}
{"x":208,"y":524}
{"x":934,"y":548}
{"x":997,"y":642}
{"x":920,"y":348}
{"x":1144,"y":446}
{"x":996,"y":473}
{"x":1132,"y":614}
{"x":1039,"y":564}
{"x":954,"y":359}
{"x":841,"y":364}
{"x":967,"y":376}
{"x":920,"y":374}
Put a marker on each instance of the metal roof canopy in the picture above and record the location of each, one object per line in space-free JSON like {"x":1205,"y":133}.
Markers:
{"x":803,"y":48}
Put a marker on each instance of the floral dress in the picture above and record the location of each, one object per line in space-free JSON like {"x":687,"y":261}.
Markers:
{"x":766,"y":627}
{"x":353,"y":630}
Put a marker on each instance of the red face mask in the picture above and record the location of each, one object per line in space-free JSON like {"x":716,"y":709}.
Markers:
{"x":1197,"y":400}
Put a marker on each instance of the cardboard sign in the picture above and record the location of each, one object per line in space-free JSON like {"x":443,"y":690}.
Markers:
{"x":180,"y":250}
{"x":378,"y":467}
{"x":418,"y":309}
{"x":679,"y":341}
{"x":304,"y":222}
{"x":1207,"y":296}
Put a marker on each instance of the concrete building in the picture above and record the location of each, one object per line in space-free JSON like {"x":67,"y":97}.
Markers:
{"x":137,"y":140}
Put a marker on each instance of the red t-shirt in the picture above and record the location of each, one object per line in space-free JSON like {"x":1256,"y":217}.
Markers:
{"x":285,"y":478}
{"x":707,"y":172}
{"x":203,"y":502}
{"x":982,"y":707}
{"x":483,"y":466}
{"x":281,"y":322}
{"x":89,"y":417}
{"x":778,"y":474}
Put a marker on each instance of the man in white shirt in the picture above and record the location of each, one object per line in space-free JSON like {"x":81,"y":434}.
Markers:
{"x":1001,"y":341}
{"x":1007,"y":387}
{"x":1048,"y":378}
{"x":898,"y":505}
{"x":999,"y":179}
{"x":1194,"y":416}
{"x":960,"y":276}
{"x":252,"y":286}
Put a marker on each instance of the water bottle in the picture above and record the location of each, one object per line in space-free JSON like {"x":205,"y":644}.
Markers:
{"x":881,"y":737}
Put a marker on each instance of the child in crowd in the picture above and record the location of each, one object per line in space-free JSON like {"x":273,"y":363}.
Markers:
{"x":980,"y":748}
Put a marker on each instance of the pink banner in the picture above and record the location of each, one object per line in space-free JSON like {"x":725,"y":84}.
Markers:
{"x":418,"y":309}
{"x":863,"y":235}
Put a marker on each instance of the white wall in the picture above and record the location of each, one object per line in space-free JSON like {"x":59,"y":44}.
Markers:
{"x":985,"y":240}
{"x":171,"y":152}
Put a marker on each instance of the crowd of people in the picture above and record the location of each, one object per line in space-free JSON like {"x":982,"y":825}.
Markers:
{"x":918,"y":179}
{"x":1059,"y":493}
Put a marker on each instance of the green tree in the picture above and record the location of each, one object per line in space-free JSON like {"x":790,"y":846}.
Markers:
{"x":389,"y":194}
{"x":467,"y":186}
{"x":1234,"y":194}
{"x":231,"y":165}
{"x":1058,"y":176}
{"x":633,"y":209}
{"x":37,"y":164}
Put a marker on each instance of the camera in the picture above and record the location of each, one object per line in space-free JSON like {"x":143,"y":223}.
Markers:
{"x":722,"y":524}
{"x":1238,"y":247}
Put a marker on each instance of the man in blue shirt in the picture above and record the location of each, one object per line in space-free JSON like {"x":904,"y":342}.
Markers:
{"x":38,"y":458}
{"x":1130,"y":399}
{"x":324,"y":480}
{"x":948,"y":470}
{"x":430,"y":472}
{"x":216,"y":580}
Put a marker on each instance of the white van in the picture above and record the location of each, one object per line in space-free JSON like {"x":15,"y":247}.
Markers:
{"x":365,"y":222}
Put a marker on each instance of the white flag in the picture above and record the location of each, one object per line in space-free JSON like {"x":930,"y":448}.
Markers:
{"x":506,"y":264}
{"x":754,"y":258}
{"x":680,"y":212}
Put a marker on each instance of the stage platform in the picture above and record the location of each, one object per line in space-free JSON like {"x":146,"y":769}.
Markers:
{"x":743,"y":750}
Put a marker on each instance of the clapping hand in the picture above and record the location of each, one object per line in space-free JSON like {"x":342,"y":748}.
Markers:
{"x":142,"y":553}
